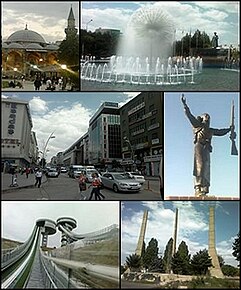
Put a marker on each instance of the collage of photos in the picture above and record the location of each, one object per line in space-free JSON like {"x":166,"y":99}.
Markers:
{"x":120,"y":144}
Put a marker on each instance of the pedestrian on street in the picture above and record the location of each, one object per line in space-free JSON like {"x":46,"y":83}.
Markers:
{"x":27,"y":171}
{"x":82,"y":185}
{"x":38,"y":176}
{"x":37,"y":84}
{"x":96,"y":183}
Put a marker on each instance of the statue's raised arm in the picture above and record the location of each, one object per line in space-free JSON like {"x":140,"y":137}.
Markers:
{"x":183,"y":99}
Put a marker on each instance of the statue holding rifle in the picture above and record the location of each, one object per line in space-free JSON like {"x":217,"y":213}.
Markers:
{"x":203,"y":134}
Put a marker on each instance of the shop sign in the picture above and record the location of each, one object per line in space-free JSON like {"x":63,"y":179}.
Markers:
{"x":12,"y":118}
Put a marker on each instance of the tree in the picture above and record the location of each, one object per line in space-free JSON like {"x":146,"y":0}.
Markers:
{"x":236,"y":248}
{"x":168,"y":256}
{"x":221,"y":261}
{"x":200,"y":262}
{"x":229,"y":270}
{"x":151,"y":253}
{"x":133,"y":262}
{"x":68,"y":52}
{"x":181,"y":260}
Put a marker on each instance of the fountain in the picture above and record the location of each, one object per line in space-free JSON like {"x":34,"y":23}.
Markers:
{"x":143,"y":55}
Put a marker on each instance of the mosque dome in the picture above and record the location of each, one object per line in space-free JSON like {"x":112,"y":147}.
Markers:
{"x":52,"y":47}
{"x":15,"y":45}
{"x":26,"y":35}
{"x":34,"y":46}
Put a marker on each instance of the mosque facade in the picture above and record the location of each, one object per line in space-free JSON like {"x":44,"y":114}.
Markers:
{"x":25,"y":52}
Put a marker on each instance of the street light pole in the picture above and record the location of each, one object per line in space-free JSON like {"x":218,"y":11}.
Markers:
{"x":51,"y":136}
{"x":87,"y":24}
{"x":132,"y":152}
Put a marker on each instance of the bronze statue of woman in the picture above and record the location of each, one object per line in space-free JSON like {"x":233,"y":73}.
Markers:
{"x":202,"y":148}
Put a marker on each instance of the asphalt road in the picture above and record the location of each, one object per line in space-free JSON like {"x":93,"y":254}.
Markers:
{"x":65,"y":188}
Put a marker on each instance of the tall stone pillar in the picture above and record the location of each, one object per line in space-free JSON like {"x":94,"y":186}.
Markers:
{"x":215,"y":270}
{"x":142,"y":234}
{"x":175,"y":233}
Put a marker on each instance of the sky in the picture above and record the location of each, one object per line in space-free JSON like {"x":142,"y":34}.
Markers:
{"x":18,"y":218}
{"x":65,"y":114}
{"x":46,"y":18}
{"x":209,"y":16}
{"x":179,"y":147}
{"x":193,"y":220}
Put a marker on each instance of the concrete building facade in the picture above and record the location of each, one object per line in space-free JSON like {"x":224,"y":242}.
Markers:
{"x":19,"y":144}
{"x":142,"y":132}
{"x":104,"y":135}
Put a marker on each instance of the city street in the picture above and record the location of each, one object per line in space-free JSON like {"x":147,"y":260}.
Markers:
{"x":65,"y":188}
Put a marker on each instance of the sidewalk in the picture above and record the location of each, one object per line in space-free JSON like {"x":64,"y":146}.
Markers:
{"x":22,"y":181}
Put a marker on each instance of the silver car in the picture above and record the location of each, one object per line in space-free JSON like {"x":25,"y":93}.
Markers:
{"x":120,"y":182}
{"x":138,"y":177}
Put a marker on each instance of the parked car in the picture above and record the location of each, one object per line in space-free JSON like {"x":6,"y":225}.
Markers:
{"x":138,"y":177}
{"x":52,"y":172}
{"x":63,"y":170}
{"x":88,"y":174}
{"x":75,"y":170}
{"x":120,"y":182}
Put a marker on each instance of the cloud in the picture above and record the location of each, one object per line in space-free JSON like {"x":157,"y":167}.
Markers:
{"x":192,"y":227}
{"x":67,"y":123}
{"x":37,"y":105}
{"x":39,"y":17}
{"x":205,"y":16}
{"x":128,"y":96}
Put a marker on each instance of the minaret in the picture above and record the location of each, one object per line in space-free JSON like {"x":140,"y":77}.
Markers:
{"x":215,"y":270}
{"x":140,"y":243}
{"x":175,"y":234}
{"x":71,"y":30}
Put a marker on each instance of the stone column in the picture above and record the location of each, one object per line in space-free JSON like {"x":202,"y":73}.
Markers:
{"x":175,"y":234}
{"x":142,"y":234}
{"x":215,"y":270}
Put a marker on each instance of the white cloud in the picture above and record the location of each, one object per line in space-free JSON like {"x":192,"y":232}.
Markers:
{"x":38,"y":105}
{"x":129,"y":96}
{"x":205,"y":16}
{"x":67,"y":123}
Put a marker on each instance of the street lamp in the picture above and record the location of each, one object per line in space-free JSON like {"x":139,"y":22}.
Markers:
{"x":51,"y":136}
{"x":87,"y":24}
{"x":15,"y":70}
{"x":132,"y":152}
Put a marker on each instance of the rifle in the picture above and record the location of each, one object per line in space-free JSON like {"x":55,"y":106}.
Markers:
{"x":234,"y":150}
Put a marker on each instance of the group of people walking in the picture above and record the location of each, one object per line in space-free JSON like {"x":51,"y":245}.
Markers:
{"x":96,"y":186}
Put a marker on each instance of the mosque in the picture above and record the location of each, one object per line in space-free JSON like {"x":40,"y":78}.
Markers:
{"x":25,"y":52}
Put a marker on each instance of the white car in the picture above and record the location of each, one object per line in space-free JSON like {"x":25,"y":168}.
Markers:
{"x":52,"y":172}
{"x":63,"y":170}
{"x":138,"y":177}
{"x":88,"y":174}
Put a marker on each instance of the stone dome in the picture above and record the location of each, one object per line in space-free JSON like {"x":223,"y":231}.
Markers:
{"x":26,"y":35}
{"x":15,"y":45}
{"x":52,"y":47}
{"x":34,"y":46}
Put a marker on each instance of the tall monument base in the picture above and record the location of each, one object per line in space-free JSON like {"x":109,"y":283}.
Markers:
{"x":199,"y":198}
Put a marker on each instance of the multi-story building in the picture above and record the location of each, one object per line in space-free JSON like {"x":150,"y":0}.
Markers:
{"x":33,"y":150}
{"x":77,"y":153}
{"x":142,"y":132}
{"x":19,"y":145}
{"x":104,"y":135}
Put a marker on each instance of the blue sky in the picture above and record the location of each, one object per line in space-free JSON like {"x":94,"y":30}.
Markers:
{"x":193,"y":219}
{"x":178,"y":144}
{"x":221,"y":17}
{"x":65,"y":114}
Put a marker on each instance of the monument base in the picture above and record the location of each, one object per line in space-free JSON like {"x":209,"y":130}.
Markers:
{"x":211,"y":197}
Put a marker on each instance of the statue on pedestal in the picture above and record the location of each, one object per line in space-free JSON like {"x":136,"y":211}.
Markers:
{"x":202,"y":148}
